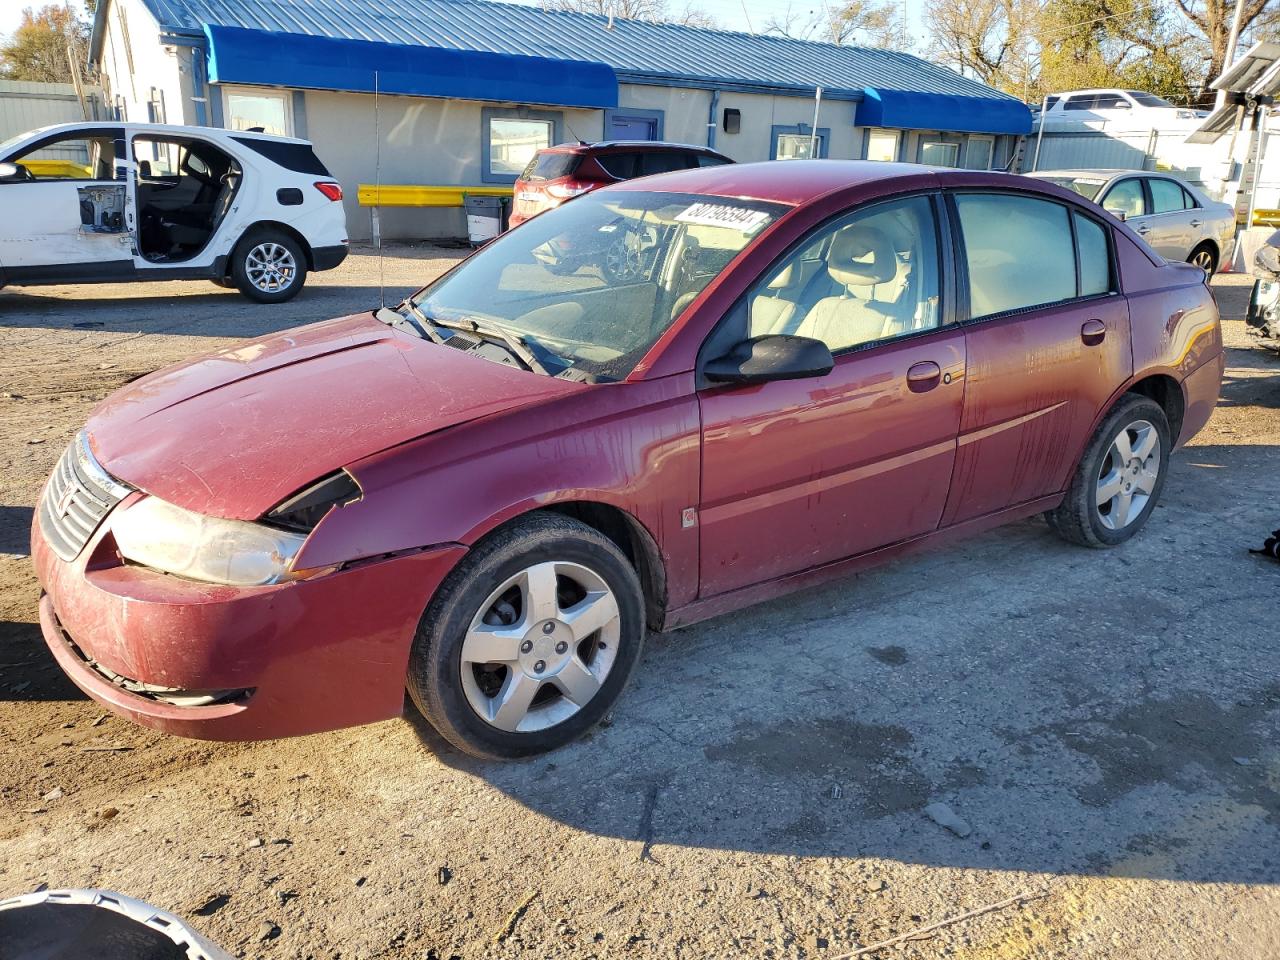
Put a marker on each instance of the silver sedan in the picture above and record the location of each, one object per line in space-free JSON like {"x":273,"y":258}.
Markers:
{"x":1174,"y":217}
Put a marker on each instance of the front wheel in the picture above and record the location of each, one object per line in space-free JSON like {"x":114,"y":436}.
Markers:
{"x":1118,"y":482}
{"x":268,"y":266}
{"x":529,"y":641}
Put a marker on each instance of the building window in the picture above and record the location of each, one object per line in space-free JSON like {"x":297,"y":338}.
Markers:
{"x":882,"y":145}
{"x":249,"y":110}
{"x":937,"y":153}
{"x":978,"y":153}
{"x":796,"y":143}
{"x":155,"y":107}
{"x":511,"y":138}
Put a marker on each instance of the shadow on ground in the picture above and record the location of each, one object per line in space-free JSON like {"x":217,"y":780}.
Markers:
{"x":15,"y":530}
{"x":1102,"y":712}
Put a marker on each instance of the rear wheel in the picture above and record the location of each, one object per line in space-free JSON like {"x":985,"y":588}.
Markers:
{"x":1118,"y":482}
{"x":268,"y":266}
{"x":1204,"y":257}
{"x":529,"y":641}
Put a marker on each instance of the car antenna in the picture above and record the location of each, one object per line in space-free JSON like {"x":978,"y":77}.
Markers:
{"x":377,"y":186}
{"x":574,"y":133}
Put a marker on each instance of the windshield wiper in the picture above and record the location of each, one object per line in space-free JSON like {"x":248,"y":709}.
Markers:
{"x":514,"y":342}
{"x":418,"y":324}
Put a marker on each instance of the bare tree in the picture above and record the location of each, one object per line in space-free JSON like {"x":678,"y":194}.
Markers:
{"x":874,"y":23}
{"x":989,"y":39}
{"x":654,"y":11}
{"x":1213,"y":19}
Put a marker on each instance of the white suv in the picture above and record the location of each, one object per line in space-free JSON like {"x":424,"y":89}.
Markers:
{"x":90,"y":202}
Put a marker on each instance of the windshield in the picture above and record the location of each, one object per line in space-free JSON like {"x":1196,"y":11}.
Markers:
{"x":1087,"y":187}
{"x":1148,"y":99}
{"x":597,"y":281}
{"x":546,"y":165}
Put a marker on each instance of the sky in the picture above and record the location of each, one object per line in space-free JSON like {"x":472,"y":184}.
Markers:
{"x":745,"y":15}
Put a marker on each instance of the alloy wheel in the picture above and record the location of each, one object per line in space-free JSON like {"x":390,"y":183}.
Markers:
{"x":1128,"y":475}
{"x":271,"y":267}
{"x":540,"y":647}
{"x":1204,"y":260}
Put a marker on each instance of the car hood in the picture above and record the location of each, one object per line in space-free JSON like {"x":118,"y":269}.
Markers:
{"x":233,"y":433}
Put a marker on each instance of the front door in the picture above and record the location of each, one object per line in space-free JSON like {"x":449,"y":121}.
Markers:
{"x":1047,"y":346}
{"x":800,"y":473}
{"x":66,"y":211}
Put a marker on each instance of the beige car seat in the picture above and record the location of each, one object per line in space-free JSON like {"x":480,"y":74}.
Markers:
{"x":860,"y":258}
{"x":774,"y":310}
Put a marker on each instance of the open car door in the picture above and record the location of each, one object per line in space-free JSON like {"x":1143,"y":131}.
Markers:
{"x":65,"y":204}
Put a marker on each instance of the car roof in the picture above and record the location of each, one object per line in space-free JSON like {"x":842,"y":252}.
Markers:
{"x":655,"y":145}
{"x":796,"y":182}
{"x":166,"y":129}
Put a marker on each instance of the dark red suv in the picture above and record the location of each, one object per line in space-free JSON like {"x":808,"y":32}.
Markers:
{"x":569,"y":170}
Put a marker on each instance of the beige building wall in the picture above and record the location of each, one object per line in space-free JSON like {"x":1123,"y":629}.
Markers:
{"x":425,"y":141}
{"x":137,"y":67}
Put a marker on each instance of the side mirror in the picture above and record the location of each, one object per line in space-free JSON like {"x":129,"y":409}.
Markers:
{"x":12,"y":173}
{"x":771,"y":357}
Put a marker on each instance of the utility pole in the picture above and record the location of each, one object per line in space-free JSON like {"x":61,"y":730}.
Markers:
{"x":1230,"y":55}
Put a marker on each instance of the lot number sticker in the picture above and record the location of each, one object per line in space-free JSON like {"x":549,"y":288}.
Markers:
{"x":721,"y":215}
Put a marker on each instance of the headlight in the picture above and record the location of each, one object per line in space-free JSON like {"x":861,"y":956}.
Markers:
{"x":167,"y":538}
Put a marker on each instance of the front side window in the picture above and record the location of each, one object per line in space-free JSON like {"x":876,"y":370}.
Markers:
{"x":266,"y":111}
{"x":74,"y":157}
{"x":1126,"y":198}
{"x":513,"y":142}
{"x":596,"y":282}
{"x":1087,"y":187}
{"x":936,"y":153}
{"x":1166,"y":196}
{"x":664,"y":161}
{"x":869,"y":276}
{"x":1018,"y":251}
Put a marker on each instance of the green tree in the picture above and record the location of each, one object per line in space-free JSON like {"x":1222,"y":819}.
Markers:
{"x":41,"y":48}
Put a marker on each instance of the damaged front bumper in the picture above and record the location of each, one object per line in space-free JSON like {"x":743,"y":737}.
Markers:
{"x":235,"y":663}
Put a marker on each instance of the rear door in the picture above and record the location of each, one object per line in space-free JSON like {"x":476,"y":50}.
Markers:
{"x":68,"y":217}
{"x":1169,"y":228}
{"x":1047,"y":341}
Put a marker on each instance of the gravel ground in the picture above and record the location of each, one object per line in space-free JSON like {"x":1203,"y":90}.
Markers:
{"x":1104,"y":723}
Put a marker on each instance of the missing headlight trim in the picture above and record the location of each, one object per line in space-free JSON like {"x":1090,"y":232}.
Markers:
{"x":306,"y":508}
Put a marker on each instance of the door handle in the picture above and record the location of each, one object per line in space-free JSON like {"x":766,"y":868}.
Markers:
{"x":923,"y":376}
{"x":1092,"y":332}
{"x":1142,"y":228}
{"x":1196,"y":223}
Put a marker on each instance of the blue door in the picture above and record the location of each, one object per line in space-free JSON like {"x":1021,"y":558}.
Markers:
{"x":633,"y":128}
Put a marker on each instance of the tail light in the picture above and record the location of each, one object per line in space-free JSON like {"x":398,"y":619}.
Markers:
{"x":561,"y":190}
{"x":330,"y":189}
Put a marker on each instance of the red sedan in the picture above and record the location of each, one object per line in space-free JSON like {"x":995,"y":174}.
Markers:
{"x":743,"y":381}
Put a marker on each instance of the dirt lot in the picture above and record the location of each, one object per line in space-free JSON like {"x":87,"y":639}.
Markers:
{"x":1106,"y":723}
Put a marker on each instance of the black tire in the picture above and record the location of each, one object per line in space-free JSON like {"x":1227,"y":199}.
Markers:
{"x":436,"y":680}
{"x":1206,"y":251}
{"x":244,"y":271}
{"x":1079,"y":518}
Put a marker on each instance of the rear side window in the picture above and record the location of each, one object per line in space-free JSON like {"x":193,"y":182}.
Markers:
{"x":707,"y":160}
{"x":620,"y":166}
{"x":298,"y":157}
{"x":551,"y":166}
{"x":1191,"y":202}
{"x":1095,"y":258}
{"x":663,"y":161}
{"x":1166,"y":196}
{"x":1018,"y":251}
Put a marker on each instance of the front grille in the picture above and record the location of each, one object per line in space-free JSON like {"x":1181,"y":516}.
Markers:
{"x":77,"y":498}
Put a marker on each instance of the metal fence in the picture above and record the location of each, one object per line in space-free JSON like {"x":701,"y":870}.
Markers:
{"x":25,"y":105}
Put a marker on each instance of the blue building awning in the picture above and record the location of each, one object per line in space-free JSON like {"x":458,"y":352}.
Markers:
{"x":266,"y":58}
{"x":942,"y":111}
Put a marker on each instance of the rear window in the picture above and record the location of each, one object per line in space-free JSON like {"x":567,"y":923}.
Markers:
{"x":550,"y":166}
{"x":298,"y":157}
